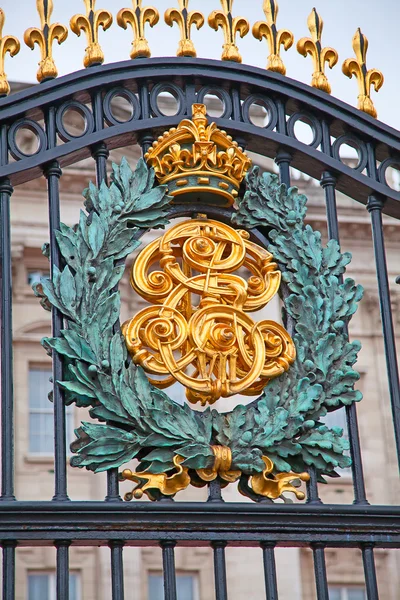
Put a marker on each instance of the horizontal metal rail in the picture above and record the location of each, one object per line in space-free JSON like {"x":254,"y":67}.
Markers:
{"x":87,"y":523}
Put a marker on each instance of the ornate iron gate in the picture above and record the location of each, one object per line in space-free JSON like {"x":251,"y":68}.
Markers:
{"x":141,"y":83}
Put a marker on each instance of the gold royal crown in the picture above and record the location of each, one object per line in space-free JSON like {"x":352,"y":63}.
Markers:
{"x":199,"y":160}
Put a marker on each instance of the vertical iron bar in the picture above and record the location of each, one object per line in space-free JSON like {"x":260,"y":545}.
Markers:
{"x":283,"y":160}
{"x":9,"y":569}
{"x":321,"y":582}
{"x":271,"y":589}
{"x":214,"y":491}
{"x":168,"y":556}
{"x":117,"y":570}
{"x":328,"y":183}
{"x":375,"y":206}
{"x":7,"y":402}
{"x":62,"y":570}
{"x":100,"y":153}
{"x":312,"y":487}
{"x":371,"y":584}
{"x":221,"y":590}
{"x":146,"y":139}
{"x":52,"y":172}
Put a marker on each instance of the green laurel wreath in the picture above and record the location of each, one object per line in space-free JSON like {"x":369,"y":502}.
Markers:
{"x":140,"y":421}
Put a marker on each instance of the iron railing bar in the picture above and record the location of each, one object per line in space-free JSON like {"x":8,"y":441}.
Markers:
{"x":321,"y":582}
{"x":52,"y":172}
{"x":62,"y":570}
{"x":7,"y":400}
{"x":371,"y":584}
{"x":221,"y":590}
{"x":283,"y":160}
{"x":169,"y":574}
{"x":100,"y":154}
{"x":375,"y":206}
{"x":271,"y":589}
{"x":117,"y":570}
{"x":9,"y":570}
{"x":328,"y":183}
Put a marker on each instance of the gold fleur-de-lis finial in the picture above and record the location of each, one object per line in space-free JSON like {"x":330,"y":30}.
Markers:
{"x":185,"y":20}
{"x":90,"y":24}
{"x":358,"y":67}
{"x":45,"y":38}
{"x":137,"y":18}
{"x":230,"y":26}
{"x":8,"y":43}
{"x":319,"y":55}
{"x":275,"y":38}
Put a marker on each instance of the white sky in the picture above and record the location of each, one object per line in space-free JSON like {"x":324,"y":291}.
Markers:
{"x":378,"y":21}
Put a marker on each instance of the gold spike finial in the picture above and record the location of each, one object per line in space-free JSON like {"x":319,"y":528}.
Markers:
{"x":319,"y":55}
{"x":230,"y":26}
{"x":45,"y":38}
{"x":90,"y":24}
{"x":185,"y":20}
{"x":275,"y":38}
{"x":358,"y":67}
{"x":137,"y":18}
{"x":8,"y":43}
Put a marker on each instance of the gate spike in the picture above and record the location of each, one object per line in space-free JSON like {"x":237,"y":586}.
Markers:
{"x":365,"y":78}
{"x":230,"y":26}
{"x":319,"y":55}
{"x":275,"y":38}
{"x":45,"y":38}
{"x":90,"y":24}
{"x":185,"y":21}
{"x":8,"y":43}
{"x":137,"y":17}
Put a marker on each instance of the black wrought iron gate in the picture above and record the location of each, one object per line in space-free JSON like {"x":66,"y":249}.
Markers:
{"x":40,"y":109}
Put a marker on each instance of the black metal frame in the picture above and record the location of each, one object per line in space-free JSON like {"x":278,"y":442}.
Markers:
{"x":41,"y":109}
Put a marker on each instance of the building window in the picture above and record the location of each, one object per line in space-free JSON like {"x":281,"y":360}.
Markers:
{"x":347,"y":593}
{"x":34,"y":276}
{"x":186,"y":587}
{"x":41,"y":425}
{"x":42,"y":586}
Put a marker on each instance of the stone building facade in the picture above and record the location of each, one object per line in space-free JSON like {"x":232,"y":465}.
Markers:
{"x":90,"y":566}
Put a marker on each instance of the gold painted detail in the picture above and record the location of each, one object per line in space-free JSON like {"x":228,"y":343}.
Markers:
{"x":8,"y":43}
{"x":265,"y":484}
{"x":45,"y":38}
{"x":319,"y":55}
{"x":275,"y":38}
{"x":365,"y":77}
{"x":137,"y":17}
{"x":230,"y":26}
{"x":196,"y":148}
{"x":90,"y":24}
{"x":185,"y":21}
{"x":198,"y":331}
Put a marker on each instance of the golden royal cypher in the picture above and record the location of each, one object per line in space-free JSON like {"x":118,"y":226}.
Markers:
{"x":197,"y":330}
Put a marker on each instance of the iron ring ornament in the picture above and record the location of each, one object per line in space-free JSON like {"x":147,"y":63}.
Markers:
{"x":266,"y":446}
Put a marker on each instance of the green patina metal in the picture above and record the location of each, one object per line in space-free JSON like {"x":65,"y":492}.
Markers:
{"x":140,"y":421}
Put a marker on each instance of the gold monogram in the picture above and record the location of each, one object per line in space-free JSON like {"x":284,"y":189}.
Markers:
{"x":198,"y":331}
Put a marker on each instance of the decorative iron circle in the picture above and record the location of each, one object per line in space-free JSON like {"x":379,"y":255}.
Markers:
{"x":269,"y":105}
{"x":310,"y":120}
{"x":129,"y":96}
{"x":32,"y":126}
{"x":392,"y":161}
{"x":175,"y":91}
{"x":223,"y":95}
{"x":80,"y":108}
{"x":354,"y":142}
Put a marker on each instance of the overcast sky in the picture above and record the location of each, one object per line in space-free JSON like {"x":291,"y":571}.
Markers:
{"x":379,"y":21}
